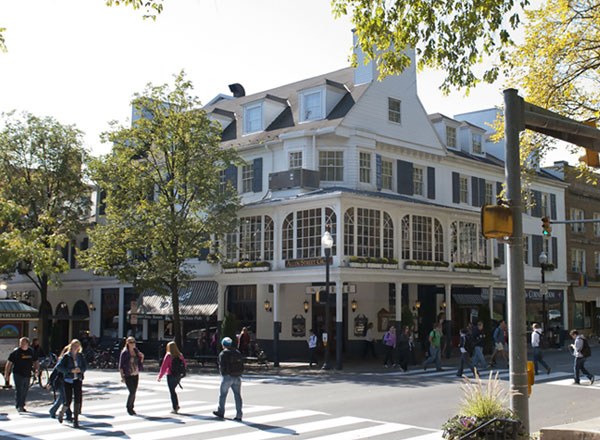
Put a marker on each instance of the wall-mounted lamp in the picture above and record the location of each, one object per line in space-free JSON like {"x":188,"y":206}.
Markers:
{"x":354,"y":305}
{"x":92,"y":306}
{"x":443,"y":306}
{"x":418,"y":305}
{"x":305,"y":303}
{"x":267,"y":305}
{"x":34,"y":329}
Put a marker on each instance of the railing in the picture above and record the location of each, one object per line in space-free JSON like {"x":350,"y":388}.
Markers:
{"x":495,"y":429}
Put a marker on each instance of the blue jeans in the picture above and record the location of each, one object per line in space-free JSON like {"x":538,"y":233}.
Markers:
{"x":235,"y":383}
{"x":434,"y":356}
{"x":538,"y":358}
{"x":21,"y":388}
{"x":172,"y":382}
{"x":60,"y":399}
{"x":465,"y":359}
{"x":478,"y":358}
{"x":579,"y":367}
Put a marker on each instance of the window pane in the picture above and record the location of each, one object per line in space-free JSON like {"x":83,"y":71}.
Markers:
{"x":451,"y":137}
{"x":312,"y":106}
{"x":386,"y":174}
{"x":418,"y":181}
{"x":247,"y":178}
{"x":331,"y":166}
{"x":253,"y":119}
{"x":295,"y":160}
{"x":365,"y":167}
{"x":394,"y":114}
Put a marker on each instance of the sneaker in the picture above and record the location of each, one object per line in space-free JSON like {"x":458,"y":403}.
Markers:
{"x":173,"y":411}
{"x":131,"y":412}
{"x":218,"y":415}
{"x":22,"y":409}
{"x":238,"y":419}
{"x":592,"y":379}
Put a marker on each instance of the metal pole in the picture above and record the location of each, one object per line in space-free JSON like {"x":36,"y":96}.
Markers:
{"x":513,"y":124}
{"x":276,"y":325}
{"x":326,"y":365}
{"x":339,"y":324}
{"x":544,"y":319}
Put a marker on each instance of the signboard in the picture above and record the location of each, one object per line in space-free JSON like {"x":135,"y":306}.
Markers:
{"x":544,"y":289}
{"x":360,"y":325}
{"x":318,"y":261}
{"x":298,"y":326}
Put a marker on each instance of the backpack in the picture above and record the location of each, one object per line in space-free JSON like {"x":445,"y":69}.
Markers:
{"x":586,"y":351}
{"x":469,"y":344}
{"x":236,"y":363}
{"x":55,"y":379}
{"x":177,"y":367}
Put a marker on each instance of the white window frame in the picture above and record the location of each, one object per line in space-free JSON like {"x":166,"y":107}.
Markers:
{"x":327,"y":168}
{"x":364,"y":167}
{"x":577,"y":214}
{"x":387,"y":178}
{"x":474,"y":143}
{"x":597,"y":225}
{"x":597,"y":263}
{"x":451,"y":135}
{"x":394,"y":115}
{"x":247,"y":177}
{"x":577,"y":260}
{"x":489,"y":193}
{"x":545,"y":204}
{"x":248,"y":128}
{"x":419,"y":184}
{"x":307,"y":114}
{"x":295,"y":160}
{"x":463,"y":189}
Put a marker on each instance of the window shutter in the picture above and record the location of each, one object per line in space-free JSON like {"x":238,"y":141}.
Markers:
{"x":481,"y":192}
{"x":553,"y":207}
{"x":378,"y":180}
{"x":73,"y":259}
{"x":430,"y":183}
{"x":455,"y":187}
{"x":231,"y":176}
{"x":536,"y":211}
{"x":405,"y":177}
{"x":203,"y":254}
{"x":555,"y":252}
{"x":475,"y":191}
{"x":85,"y":244}
{"x":501,"y":252}
{"x":257,"y":166}
{"x":536,"y":249}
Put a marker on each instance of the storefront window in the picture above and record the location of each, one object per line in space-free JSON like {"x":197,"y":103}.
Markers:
{"x":467,"y":244}
{"x":582,"y":315}
{"x":253,"y":240}
{"x":302,"y":232}
{"x":422,"y":238}
{"x":241,"y":301}
{"x":363,"y":230}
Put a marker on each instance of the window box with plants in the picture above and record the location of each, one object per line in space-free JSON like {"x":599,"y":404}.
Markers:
{"x":246,"y":266}
{"x":472,"y":267}
{"x":373,"y":263}
{"x":426,"y":265}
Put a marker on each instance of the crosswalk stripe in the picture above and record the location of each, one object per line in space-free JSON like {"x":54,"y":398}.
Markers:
{"x":223,"y":425}
{"x":369,"y":432}
{"x":302,"y":428}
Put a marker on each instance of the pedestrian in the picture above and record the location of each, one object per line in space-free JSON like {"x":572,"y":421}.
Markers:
{"x":231,"y":367}
{"x":21,"y":362}
{"x":403,"y":344}
{"x":131,"y":362}
{"x":37,"y":349}
{"x":435,"y":344}
{"x":57,"y":383}
{"x":466,"y":347}
{"x":536,"y":339}
{"x":174,"y":366}
{"x":389,"y":344}
{"x":312,"y":348}
{"x":479,"y":338}
{"x":499,"y":338}
{"x":581,"y":351}
{"x":244,"y":341}
{"x":72,"y":366}
{"x":369,"y":346}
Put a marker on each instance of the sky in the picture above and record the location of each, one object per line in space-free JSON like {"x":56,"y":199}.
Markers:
{"x":81,"y":61}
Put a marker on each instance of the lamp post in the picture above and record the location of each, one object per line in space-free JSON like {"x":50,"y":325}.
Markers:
{"x":327,"y":243}
{"x":543,"y":260}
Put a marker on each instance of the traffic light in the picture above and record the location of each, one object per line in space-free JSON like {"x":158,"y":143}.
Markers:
{"x":546,"y":228}
{"x":591,"y":157}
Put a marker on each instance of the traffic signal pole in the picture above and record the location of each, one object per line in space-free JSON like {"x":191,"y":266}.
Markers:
{"x":514,"y":123}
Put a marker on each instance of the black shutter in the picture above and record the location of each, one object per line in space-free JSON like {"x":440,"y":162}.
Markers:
{"x":72,"y":257}
{"x":536,"y":249}
{"x":430,"y":183}
{"x":475,"y":191}
{"x":378,"y":179}
{"x":536,"y":210}
{"x":455,"y":187}
{"x":481,"y":192}
{"x":85,"y":244}
{"x":257,"y":167}
{"x":555,"y":252}
{"x":405,"y":177}
{"x":231,"y":173}
{"x":553,"y":206}
{"x":501,"y":252}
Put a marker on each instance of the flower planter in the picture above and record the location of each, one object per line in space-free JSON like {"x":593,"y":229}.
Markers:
{"x":361,"y":265}
{"x":390,"y":266}
{"x":260,"y":269}
{"x":230,"y":270}
{"x":428,"y":268}
{"x":472,"y":270}
{"x":374,"y":265}
{"x":245,"y":269}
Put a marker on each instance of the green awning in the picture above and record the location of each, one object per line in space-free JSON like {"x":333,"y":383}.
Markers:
{"x":13,"y":310}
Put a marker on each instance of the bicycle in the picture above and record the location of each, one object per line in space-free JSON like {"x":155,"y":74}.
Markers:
{"x":42,"y":376}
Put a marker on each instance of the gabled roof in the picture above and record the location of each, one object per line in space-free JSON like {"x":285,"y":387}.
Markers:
{"x":288,"y":120}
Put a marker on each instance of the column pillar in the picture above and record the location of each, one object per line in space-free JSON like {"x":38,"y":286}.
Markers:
{"x":276,"y":325}
{"x":121,"y":328}
{"x":491,"y":301}
{"x":398,"y":306}
{"x":339,"y":323}
{"x":448,"y":299}
{"x":221,"y":288}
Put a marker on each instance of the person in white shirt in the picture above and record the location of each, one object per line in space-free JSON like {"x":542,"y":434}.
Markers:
{"x":312,"y":348}
{"x":580,"y":357}
{"x":369,"y":346}
{"x":538,"y":357}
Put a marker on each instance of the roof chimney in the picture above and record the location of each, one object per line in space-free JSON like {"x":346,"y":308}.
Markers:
{"x":237,"y":89}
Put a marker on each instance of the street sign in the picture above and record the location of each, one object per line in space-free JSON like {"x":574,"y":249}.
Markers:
{"x":544,"y":289}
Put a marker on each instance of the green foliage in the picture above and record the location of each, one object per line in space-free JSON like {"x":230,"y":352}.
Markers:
{"x":151,"y":8}
{"x":473,"y":265}
{"x":229,"y":326}
{"x":407,"y":316}
{"x":426,"y":263}
{"x":449,"y":35}
{"x":2,"y":40}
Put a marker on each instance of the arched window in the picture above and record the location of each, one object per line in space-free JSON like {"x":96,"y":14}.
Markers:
{"x":368,"y":233}
{"x":467,"y":244}
{"x":302,"y":232}
{"x":422,"y":238}
{"x":253,"y":240}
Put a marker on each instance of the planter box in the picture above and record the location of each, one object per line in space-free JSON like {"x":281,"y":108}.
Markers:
{"x":230,"y":270}
{"x":374,"y":265}
{"x":427,"y":268}
{"x":260,"y":269}
{"x":390,"y":266}
{"x":361,"y":265}
{"x":470,"y":270}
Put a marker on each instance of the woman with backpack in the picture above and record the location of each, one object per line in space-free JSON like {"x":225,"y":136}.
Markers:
{"x":174,"y":366}
{"x":72,"y":366}
{"x":57,"y":385}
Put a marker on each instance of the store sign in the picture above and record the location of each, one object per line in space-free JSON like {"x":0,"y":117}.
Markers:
{"x":18,"y":315}
{"x":360,"y":325}
{"x":298,"y":326}
{"x":318,"y":261}
{"x":159,"y":317}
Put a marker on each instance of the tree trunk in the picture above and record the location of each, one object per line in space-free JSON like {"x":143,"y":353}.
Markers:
{"x":43,"y":327}
{"x":176,"y":320}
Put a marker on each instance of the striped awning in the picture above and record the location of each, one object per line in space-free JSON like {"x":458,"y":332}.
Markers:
{"x":197,"y":300}
{"x":14,"y":310}
{"x":463,"y":299}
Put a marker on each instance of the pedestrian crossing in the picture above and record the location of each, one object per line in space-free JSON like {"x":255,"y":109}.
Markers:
{"x":195,"y":420}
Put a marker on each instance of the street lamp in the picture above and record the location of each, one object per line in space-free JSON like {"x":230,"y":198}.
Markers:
{"x":327,"y":243}
{"x":543,"y":260}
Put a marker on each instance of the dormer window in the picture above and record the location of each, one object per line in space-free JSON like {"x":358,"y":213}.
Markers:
{"x":477,"y":144}
{"x":450,"y":137}
{"x":311,"y":105}
{"x":394,"y":107}
{"x":253,"y":119}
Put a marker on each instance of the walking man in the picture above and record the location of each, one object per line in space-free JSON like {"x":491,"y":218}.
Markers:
{"x":479,"y":341}
{"x":435,"y":345}
{"x":499,"y":344}
{"x":581,"y":351}
{"x":465,"y":345}
{"x":536,"y":338}
{"x":312,"y":348}
{"x":231,"y":367}
{"x":21,"y":361}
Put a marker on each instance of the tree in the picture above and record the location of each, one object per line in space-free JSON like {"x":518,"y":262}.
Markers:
{"x":164,"y":193}
{"x":451,"y":35}
{"x":44,"y":198}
